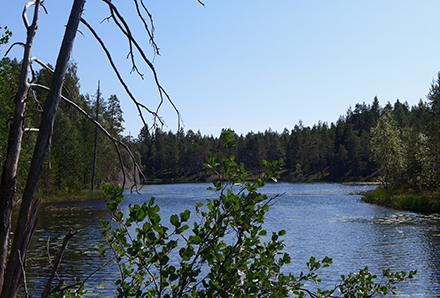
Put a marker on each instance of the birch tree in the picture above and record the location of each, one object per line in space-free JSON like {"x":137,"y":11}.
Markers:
{"x":388,"y":150}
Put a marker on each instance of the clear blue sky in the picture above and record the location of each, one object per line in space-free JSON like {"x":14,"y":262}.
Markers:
{"x":251,"y":65}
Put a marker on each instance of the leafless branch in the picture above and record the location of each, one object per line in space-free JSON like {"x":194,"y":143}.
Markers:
{"x":108,"y":135}
{"x":125,"y":29}
{"x":49,"y":70}
{"x":39,"y":107}
{"x":60,"y":287}
{"x":44,"y":7}
{"x":121,"y":80}
{"x":150,"y":17}
{"x":96,"y":270}
{"x":31,"y":130}
{"x":136,"y":167}
{"x":35,"y":59}
{"x":24,"y":15}
{"x":14,"y":44}
{"x":48,"y":254}
{"x":24,"y":274}
{"x":25,"y":10}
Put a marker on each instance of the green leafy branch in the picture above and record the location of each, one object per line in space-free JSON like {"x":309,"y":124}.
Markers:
{"x":226,"y":253}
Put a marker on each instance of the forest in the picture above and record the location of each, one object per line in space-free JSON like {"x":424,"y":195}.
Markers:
{"x":61,"y":152}
{"x":395,"y":143}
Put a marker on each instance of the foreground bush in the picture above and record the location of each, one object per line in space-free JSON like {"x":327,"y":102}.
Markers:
{"x":226,"y":252}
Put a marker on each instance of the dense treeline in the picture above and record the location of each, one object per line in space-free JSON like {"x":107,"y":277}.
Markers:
{"x":396,"y":143}
{"x":68,"y":165}
{"x":340,"y":151}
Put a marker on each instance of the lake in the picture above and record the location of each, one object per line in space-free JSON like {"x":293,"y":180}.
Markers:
{"x":321,"y":219}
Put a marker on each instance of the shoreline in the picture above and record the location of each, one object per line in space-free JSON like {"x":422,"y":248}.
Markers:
{"x":426,"y":202}
{"x":97,"y":194}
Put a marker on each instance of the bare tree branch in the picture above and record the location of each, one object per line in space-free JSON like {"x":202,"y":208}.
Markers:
{"x":121,"y":80}
{"x":24,"y":274}
{"x":125,"y":29}
{"x":61,"y":288}
{"x":24,"y":228}
{"x":26,"y":8}
{"x":136,"y":167}
{"x":14,"y":44}
{"x":108,"y":135}
{"x":31,"y":130}
{"x":24,"y":14}
{"x":150,"y":33}
{"x":48,"y":255}
{"x":9,"y":175}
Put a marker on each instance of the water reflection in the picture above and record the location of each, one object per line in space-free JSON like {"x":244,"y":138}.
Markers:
{"x":320,"y":220}
{"x":82,"y":256}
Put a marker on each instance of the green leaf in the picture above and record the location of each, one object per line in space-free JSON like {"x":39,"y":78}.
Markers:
{"x":174,"y":219}
{"x":185,"y":215}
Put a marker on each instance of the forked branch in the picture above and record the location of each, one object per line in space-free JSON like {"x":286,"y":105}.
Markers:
{"x":121,"y":80}
{"x":125,"y":29}
{"x":150,"y":17}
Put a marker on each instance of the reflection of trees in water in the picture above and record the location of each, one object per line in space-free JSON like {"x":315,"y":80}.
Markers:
{"x":82,"y":256}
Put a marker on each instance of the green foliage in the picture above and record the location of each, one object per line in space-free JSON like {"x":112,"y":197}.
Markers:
{"x":405,"y":146}
{"x":388,"y":150}
{"x":225,"y":253}
{"x":363,"y":284}
{"x":79,"y":291}
{"x":426,"y":201}
{"x":433,"y":130}
{"x":68,"y":168}
{"x":9,"y":72}
{"x":335,"y":152}
{"x":4,"y":37}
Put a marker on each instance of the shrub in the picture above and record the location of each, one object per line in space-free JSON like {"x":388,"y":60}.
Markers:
{"x":223,"y":254}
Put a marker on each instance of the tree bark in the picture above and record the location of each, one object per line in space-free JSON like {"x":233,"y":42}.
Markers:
{"x":26,"y":219}
{"x":9,"y":176}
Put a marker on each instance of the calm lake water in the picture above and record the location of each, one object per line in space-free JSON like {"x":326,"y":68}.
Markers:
{"x":320,"y":220}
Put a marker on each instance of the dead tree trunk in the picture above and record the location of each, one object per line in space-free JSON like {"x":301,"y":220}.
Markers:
{"x":98,"y":95}
{"x":9,"y":175}
{"x":26,"y":219}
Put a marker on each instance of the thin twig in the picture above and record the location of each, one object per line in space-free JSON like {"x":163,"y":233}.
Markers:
{"x":24,"y":274}
{"x":61,"y":288}
{"x":14,"y":44}
{"x":150,"y":33}
{"x":121,"y":80}
{"x":125,"y":29}
{"x":48,"y":288}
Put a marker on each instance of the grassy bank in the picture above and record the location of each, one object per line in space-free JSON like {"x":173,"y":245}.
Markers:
{"x":72,"y":196}
{"x":405,"y":199}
